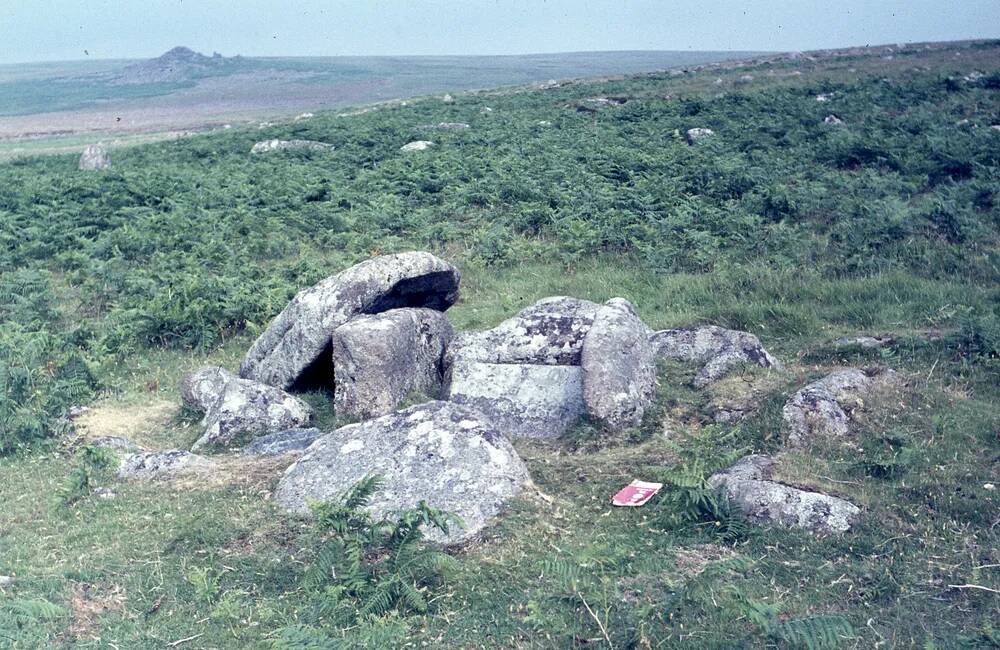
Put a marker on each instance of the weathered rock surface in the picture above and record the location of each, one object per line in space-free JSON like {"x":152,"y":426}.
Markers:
{"x":446,"y":454}
{"x":619,"y":366}
{"x":379,"y":359}
{"x":201,"y":389}
{"x":417,"y":145}
{"x":265,"y":146}
{"x":299,"y":336}
{"x":241,"y":408}
{"x":282,"y":442}
{"x":536,"y":401}
{"x":822,"y":409}
{"x":763,"y":501}
{"x":162,"y":464}
{"x":550,"y":332}
{"x":698,"y":133}
{"x":719,"y":349}
{"x":94,"y":157}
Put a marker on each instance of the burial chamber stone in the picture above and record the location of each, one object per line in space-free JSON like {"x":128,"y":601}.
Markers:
{"x":296,"y":345}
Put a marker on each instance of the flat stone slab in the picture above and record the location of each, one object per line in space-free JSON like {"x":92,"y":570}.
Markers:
{"x":533,"y":401}
{"x":720,"y":350}
{"x":282,"y":442}
{"x":763,"y":501}
{"x":162,"y":464}
{"x":448,"y":455}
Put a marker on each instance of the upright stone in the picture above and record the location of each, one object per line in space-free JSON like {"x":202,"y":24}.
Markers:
{"x":95,"y":157}
{"x":379,"y":359}
{"x":619,"y":366}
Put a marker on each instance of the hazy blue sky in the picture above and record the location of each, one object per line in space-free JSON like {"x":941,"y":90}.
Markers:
{"x":35,"y":30}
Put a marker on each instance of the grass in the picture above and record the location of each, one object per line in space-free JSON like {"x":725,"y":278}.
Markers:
{"x":210,"y":562}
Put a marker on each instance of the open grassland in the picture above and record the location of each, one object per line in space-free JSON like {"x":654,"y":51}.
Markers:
{"x":114,"y":284}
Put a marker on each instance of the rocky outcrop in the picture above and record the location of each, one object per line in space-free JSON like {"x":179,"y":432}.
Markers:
{"x":719,"y":349}
{"x":747,"y":486}
{"x":417,"y":145}
{"x":297,"y":342}
{"x":379,"y":359}
{"x":549,"y":332}
{"x":619,"y":366}
{"x":823,"y":408}
{"x":282,"y":442}
{"x":94,"y":157}
{"x":265,"y":146}
{"x":162,"y":464}
{"x":863,"y":342}
{"x":530,"y":400}
{"x":443,"y":453}
{"x":832,"y":120}
{"x":240,"y":408}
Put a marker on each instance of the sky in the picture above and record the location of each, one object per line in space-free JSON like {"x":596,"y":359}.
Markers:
{"x":59,"y":30}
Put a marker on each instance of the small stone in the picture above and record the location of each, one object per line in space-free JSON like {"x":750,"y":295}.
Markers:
{"x":95,"y":157}
{"x":417,"y":145}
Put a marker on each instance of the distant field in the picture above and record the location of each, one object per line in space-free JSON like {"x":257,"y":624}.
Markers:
{"x":42,"y":101}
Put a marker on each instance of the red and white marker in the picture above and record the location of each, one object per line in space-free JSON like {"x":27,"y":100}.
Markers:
{"x":636,"y":493}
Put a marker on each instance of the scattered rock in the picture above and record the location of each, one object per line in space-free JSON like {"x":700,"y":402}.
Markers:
{"x":865,"y":342}
{"x":95,"y":157}
{"x":162,"y":464}
{"x":745,"y":79}
{"x":417,"y":145}
{"x":447,"y":99}
{"x":822,"y":409}
{"x":485,"y":109}
{"x":297,"y":341}
{"x":550,"y":332}
{"x":619,"y":366}
{"x":535,"y":401}
{"x":698,"y":133}
{"x":104,"y":493}
{"x":832,"y":120}
{"x":719,"y":349}
{"x":763,"y":501}
{"x":443,"y":453}
{"x":265,"y":146}
{"x":380,"y":359}
{"x":303,"y":116}
{"x":74,"y":412}
{"x":544,"y":123}
{"x":824,"y":97}
{"x":450,"y":125}
{"x":115,"y":443}
{"x":282,"y":442}
{"x":236,"y":407}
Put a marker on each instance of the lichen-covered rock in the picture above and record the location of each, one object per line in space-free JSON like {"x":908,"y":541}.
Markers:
{"x":95,"y":157}
{"x":549,"y":332}
{"x":443,"y":453}
{"x":619,"y":366}
{"x":201,"y":389}
{"x":719,"y":349}
{"x":242,"y":408}
{"x":282,"y":442}
{"x":162,"y":464}
{"x":297,"y":341}
{"x":535,"y":401}
{"x":763,"y":501}
{"x":379,"y":359}
{"x":265,"y":146}
{"x":822,"y":409}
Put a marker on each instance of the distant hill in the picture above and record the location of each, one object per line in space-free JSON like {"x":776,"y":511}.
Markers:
{"x":179,"y":64}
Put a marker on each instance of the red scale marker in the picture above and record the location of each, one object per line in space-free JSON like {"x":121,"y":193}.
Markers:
{"x":636,"y":493}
